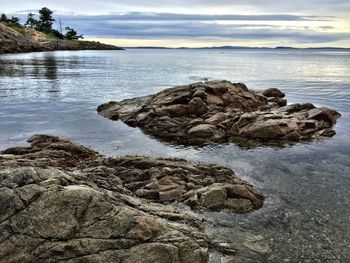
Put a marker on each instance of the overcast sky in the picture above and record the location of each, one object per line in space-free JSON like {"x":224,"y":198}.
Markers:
{"x":299,"y":23}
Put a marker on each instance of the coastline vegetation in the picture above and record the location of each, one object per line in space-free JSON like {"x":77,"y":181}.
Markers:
{"x":43,"y":24}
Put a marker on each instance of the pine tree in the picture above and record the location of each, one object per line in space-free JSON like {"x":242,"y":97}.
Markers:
{"x":45,"y":20}
{"x":71,"y":34}
{"x":3,"y":18}
{"x":31,"y":21}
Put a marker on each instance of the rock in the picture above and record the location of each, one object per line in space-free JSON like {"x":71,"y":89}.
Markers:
{"x":206,"y":130}
{"x":212,"y":99}
{"x":273,"y":92}
{"x":216,"y":118}
{"x":197,"y":107}
{"x":214,"y":198}
{"x":200,"y":93}
{"x":323,"y":114}
{"x":240,"y":205}
{"x":64,"y":202}
{"x":280,"y":102}
{"x":220,"y":111}
{"x":170,"y":195}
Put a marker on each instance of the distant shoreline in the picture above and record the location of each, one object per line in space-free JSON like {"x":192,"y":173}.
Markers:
{"x":243,"y":47}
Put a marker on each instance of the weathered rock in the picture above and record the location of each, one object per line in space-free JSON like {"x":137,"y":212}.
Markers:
{"x":273,"y":92}
{"x":219,"y":111}
{"x":202,"y":130}
{"x":63,"y":202}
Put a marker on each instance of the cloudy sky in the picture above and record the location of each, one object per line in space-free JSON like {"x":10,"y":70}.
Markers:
{"x":298,"y":23}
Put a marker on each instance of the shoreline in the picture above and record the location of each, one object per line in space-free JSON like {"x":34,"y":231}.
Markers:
{"x":56,"y":45}
{"x":13,"y":41}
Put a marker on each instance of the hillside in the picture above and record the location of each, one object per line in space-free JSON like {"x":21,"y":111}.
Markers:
{"x":20,"y":39}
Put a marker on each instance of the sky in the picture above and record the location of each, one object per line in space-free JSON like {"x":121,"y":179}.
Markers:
{"x":200,"y":23}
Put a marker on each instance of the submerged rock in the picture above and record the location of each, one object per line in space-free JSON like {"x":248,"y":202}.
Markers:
{"x":219,"y":111}
{"x":63,"y":202}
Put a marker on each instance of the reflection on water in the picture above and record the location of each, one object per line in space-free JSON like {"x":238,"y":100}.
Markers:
{"x":306,"y":215}
{"x":41,"y":69}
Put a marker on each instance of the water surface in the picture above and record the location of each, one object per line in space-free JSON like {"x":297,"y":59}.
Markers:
{"x":306,"y":215}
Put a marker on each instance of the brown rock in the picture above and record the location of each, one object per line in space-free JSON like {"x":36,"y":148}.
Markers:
{"x":273,"y":92}
{"x":170,"y":195}
{"x":212,"y":99}
{"x":239,"y":205}
{"x":197,"y":107}
{"x":213,"y":199}
{"x":234,"y":113}
{"x":324,"y":114}
{"x":65,"y":202}
{"x":200,"y":93}
{"x":202,"y":130}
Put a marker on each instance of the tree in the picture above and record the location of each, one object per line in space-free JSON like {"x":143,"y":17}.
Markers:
{"x":71,"y":34}
{"x":31,"y":21}
{"x":3,"y":18}
{"x":57,"y":34}
{"x":45,"y":20}
{"x":14,"y":20}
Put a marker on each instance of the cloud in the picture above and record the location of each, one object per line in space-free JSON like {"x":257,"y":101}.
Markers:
{"x":145,"y":25}
{"x":134,"y":16}
{"x":171,"y":26}
{"x":226,"y":6}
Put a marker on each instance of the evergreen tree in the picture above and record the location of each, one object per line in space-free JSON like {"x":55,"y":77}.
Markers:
{"x":31,"y":21}
{"x":45,"y":20}
{"x":71,"y":34}
{"x":3,"y":18}
{"x":14,"y":20}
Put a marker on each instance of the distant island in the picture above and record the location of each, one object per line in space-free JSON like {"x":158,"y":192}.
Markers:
{"x":38,"y":35}
{"x":239,"y":47}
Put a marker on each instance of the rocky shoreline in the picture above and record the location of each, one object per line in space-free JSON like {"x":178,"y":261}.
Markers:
{"x":221,"y":111}
{"x":53,"y":45}
{"x":63,"y":202}
{"x":12,"y":41}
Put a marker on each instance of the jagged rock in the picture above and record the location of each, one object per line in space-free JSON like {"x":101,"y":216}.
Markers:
{"x":219,"y":111}
{"x":63,"y":202}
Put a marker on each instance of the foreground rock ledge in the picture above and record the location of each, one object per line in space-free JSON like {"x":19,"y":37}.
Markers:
{"x":219,"y":111}
{"x":63,"y":202}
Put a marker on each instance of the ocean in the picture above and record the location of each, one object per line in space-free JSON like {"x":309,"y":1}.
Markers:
{"x":306,"y":217}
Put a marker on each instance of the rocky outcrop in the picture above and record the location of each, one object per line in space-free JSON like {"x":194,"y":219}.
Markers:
{"x":63,"y":202}
{"x":220,"y":111}
{"x":29,"y":40}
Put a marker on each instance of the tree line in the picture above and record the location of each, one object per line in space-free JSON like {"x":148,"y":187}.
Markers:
{"x":43,"y":24}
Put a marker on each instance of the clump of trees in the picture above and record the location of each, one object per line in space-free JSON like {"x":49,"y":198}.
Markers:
{"x":11,"y":21}
{"x":43,"y":24}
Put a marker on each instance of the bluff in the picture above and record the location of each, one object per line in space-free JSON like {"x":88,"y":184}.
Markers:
{"x":20,"y":39}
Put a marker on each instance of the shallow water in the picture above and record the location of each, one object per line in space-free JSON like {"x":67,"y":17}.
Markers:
{"x":306,"y":217}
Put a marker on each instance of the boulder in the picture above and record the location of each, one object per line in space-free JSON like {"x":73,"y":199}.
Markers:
{"x":273,"y":92}
{"x":220,"y":111}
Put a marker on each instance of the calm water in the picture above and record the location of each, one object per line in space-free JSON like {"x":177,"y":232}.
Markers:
{"x":306,"y":217}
